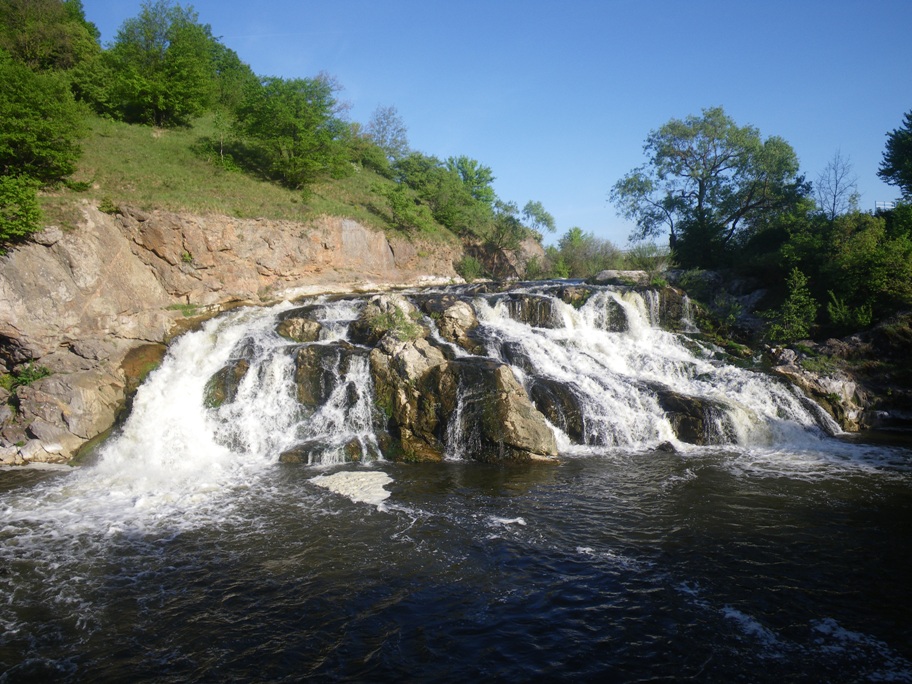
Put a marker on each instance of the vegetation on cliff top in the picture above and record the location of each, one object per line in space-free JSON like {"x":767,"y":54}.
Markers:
{"x":167,"y":116}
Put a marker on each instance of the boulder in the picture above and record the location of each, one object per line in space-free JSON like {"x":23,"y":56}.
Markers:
{"x":693,"y":419}
{"x":560,"y":404}
{"x":456,"y":321}
{"x":222,"y":387}
{"x":319,"y":368}
{"x":298,"y":325}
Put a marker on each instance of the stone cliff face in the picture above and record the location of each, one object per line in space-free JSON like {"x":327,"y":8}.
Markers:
{"x":87,"y":303}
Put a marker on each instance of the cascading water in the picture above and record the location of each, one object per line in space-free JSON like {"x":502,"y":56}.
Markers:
{"x":258,"y":527}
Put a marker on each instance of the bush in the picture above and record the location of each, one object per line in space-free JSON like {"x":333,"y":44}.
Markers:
{"x":41,"y":124}
{"x":20,"y":214}
{"x":469,"y":268}
{"x":793,"y":320}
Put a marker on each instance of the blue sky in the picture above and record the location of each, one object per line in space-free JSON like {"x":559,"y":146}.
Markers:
{"x":557,"y":97}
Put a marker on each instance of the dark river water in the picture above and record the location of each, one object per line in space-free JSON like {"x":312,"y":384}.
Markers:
{"x":187,"y":553}
{"x":621,"y":567}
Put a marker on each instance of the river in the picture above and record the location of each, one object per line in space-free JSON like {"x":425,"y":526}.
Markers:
{"x":187,"y":552}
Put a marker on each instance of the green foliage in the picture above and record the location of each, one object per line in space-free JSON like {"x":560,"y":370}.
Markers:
{"x":648,"y":257}
{"x":20,"y":214}
{"x":469,"y":268}
{"x":161,"y":67}
{"x":41,"y":123}
{"x":293,"y":123}
{"x":407,"y":212}
{"x":896,"y":166}
{"x":706,"y":181}
{"x":396,"y":322}
{"x":47,"y":35}
{"x":537,"y":218}
{"x":24,"y":375}
{"x":846,"y":317}
{"x":793,"y":320}
{"x":582,"y":255}
{"x":475,"y":177}
{"x":106,"y":205}
{"x":445,"y":193}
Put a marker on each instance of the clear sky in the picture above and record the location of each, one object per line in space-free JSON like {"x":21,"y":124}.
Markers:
{"x":557,"y":96}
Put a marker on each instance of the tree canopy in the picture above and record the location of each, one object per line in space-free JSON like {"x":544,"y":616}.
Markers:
{"x":293,"y":122}
{"x":41,"y":123}
{"x":705,"y":181}
{"x":161,"y":66}
{"x":896,"y":167}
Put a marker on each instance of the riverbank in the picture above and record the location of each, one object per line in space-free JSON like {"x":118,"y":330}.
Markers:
{"x":92,"y":306}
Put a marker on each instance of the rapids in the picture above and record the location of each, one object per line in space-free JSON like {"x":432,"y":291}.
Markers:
{"x":187,"y":551}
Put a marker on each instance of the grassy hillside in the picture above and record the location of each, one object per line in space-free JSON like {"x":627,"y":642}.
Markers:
{"x":155,"y":168}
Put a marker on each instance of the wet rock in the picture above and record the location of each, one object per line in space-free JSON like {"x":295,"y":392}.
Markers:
{"x":319,"y":368}
{"x":386,"y":315}
{"x":493,"y":411}
{"x":612,"y":277}
{"x":534,"y":310}
{"x":222,"y":387}
{"x":298,"y":325}
{"x":575,"y":295}
{"x":559,"y":404}
{"x":456,"y":321}
{"x":693,"y":419}
{"x":318,"y":451}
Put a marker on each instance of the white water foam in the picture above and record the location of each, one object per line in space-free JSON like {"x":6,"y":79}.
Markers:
{"x":362,"y":486}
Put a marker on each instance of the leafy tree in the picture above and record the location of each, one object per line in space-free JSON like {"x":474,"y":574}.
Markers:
{"x":706,"y":180}
{"x":836,"y":190}
{"x":293,"y":122}
{"x":47,"y":35}
{"x":896,"y":167}
{"x":581,"y":254}
{"x":388,"y":131}
{"x":231,"y":77}
{"x":407,"y":212}
{"x":162,"y":66}
{"x":20,"y":214}
{"x":793,"y":320}
{"x":443,"y":189}
{"x":538,"y":219}
{"x":41,"y":123}
{"x":476,"y":177}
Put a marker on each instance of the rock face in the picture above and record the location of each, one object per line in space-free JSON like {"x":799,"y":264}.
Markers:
{"x":432,"y":402}
{"x":77,"y":301}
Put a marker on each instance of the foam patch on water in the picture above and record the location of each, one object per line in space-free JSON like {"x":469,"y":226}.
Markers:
{"x":361,"y":486}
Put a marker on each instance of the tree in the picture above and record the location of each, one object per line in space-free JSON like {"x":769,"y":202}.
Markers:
{"x":162,"y":66}
{"x":793,"y":320}
{"x":42,"y":124}
{"x":476,"y":177}
{"x":538,"y":219}
{"x":446,"y":192}
{"x":581,"y":254}
{"x":705,"y":181}
{"x":387,"y":129}
{"x":19,"y":211}
{"x":836,"y":190}
{"x":47,"y":35}
{"x":896,"y":167}
{"x":292,"y":121}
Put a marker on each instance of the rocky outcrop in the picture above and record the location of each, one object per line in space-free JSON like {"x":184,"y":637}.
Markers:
{"x":433,"y":403}
{"x":76,"y":301}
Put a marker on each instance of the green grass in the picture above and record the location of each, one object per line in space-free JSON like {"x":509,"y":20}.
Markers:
{"x":152,"y":168}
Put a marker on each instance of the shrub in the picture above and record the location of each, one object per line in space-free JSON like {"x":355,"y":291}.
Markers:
{"x":20,"y":214}
{"x":793,"y":320}
{"x":469,"y":268}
